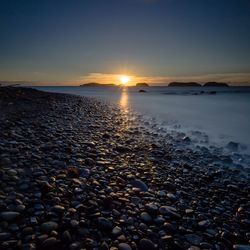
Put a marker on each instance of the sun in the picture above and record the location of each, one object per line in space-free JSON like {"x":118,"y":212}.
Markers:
{"x":124,"y":79}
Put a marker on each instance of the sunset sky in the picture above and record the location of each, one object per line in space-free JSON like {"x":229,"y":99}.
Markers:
{"x":156,"y":41}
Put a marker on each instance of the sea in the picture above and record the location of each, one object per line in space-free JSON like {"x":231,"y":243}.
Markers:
{"x":209,"y":116}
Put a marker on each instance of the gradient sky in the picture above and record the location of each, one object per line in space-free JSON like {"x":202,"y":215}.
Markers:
{"x":77,"y":41}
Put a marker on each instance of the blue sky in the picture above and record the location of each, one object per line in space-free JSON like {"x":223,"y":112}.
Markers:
{"x":68,"y":42}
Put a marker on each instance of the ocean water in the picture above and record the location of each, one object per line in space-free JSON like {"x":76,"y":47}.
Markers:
{"x":208,"y":118}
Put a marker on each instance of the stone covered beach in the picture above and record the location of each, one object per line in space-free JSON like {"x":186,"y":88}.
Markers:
{"x":78,"y":173}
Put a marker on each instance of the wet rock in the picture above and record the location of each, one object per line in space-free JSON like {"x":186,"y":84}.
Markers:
{"x":104,"y":224}
{"x":233,"y":146}
{"x":58,"y":209}
{"x":66,"y":236}
{"x":28,"y":230}
{"x":151,"y":208}
{"x":9,"y":216}
{"x":193,"y":239}
{"x":73,"y":172}
{"x":241,"y":247}
{"x":49,"y":226}
{"x":186,"y":139}
{"x":139,"y":184}
{"x":124,"y":246}
{"x":116,"y":231}
{"x":50,"y":242}
{"x":146,"y":244}
{"x":12,"y":172}
{"x":89,"y":161}
{"x":170,"y":211}
{"x":204,"y":223}
{"x":5,"y":236}
{"x":145,"y":217}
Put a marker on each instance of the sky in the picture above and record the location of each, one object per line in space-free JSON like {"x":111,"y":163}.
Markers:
{"x":69,"y":42}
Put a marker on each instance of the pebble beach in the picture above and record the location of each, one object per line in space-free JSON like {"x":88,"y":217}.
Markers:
{"x":79,"y":173}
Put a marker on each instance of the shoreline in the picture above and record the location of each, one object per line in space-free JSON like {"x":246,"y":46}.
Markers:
{"x":78,"y":173}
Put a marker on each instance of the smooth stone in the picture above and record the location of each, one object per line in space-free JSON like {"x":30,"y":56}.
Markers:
{"x":5,"y":236}
{"x":9,"y":216}
{"x":205,"y":245}
{"x":193,"y":239}
{"x":241,"y":247}
{"x":50,"y":242}
{"x":49,"y":226}
{"x":124,"y":246}
{"x":14,"y":227}
{"x":89,"y":161}
{"x":139,"y":184}
{"x":146,"y":244}
{"x":146,"y":217}
{"x":189,"y":211}
{"x":151,"y":208}
{"x":172,"y":197}
{"x":28,"y":230}
{"x":170,"y":211}
{"x":193,"y":248}
{"x":12,"y":172}
{"x":116,"y":231}
{"x":169,"y":227}
{"x":20,"y":208}
{"x":66,"y":236}
{"x":58,"y":209}
{"x":104,"y":224}
{"x":233,"y":146}
{"x":74,"y":223}
{"x":204,"y":223}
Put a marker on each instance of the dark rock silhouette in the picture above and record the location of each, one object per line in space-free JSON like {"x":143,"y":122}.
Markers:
{"x":184,"y":84}
{"x":142,"y":84}
{"x":96,"y":84}
{"x":142,"y":91}
{"x":233,"y":146}
{"x":215,"y":84}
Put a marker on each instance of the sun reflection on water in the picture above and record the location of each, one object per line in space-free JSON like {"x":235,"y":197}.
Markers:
{"x":124,"y":100}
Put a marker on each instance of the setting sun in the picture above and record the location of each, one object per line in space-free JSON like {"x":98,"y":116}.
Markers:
{"x":124,"y":79}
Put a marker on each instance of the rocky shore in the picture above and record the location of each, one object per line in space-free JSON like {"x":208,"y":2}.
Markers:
{"x":77,"y":173}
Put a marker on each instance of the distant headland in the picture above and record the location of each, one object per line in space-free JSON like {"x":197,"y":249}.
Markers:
{"x":171,"y":84}
{"x":96,"y":84}
{"x":196,"y":84}
{"x":184,"y":84}
{"x":142,"y":84}
{"x":215,"y":84}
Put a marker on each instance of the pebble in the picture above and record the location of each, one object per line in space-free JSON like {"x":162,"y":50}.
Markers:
{"x":49,"y":226}
{"x":139,"y":184}
{"x":104,"y":224}
{"x":241,"y":247}
{"x":193,"y":239}
{"x":146,"y":244}
{"x":124,"y":246}
{"x":50,"y":242}
{"x":9,"y":216}
{"x":146,"y":217}
{"x":116,"y":231}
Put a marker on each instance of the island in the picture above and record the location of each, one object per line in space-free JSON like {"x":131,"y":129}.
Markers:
{"x":96,"y":84}
{"x":184,"y":84}
{"x":215,"y":84}
{"x":142,"y":84}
